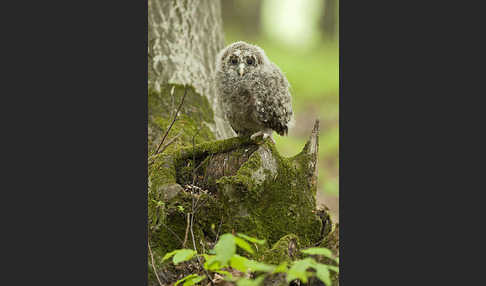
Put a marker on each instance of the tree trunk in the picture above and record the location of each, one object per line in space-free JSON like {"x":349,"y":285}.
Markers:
{"x":184,"y":37}
{"x":202,"y":184}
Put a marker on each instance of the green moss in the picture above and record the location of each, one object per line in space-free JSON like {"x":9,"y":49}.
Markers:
{"x":193,"y":121}
{"x":285,"y":249}
{"x":192,"y":126}
{"x":272,"y":208}
{"x":270,"y":198}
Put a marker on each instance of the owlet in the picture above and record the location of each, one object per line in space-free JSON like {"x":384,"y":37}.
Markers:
{"x":253,"y":92}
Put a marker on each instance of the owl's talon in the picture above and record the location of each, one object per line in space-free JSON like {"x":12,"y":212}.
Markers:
{"x":264,"y":136}
{"x":255,"y":135}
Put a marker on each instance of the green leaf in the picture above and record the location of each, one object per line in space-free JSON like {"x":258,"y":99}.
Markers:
{"x":333,"y":268}
{"x":258,"y":266}
{"x":243,"y":264}
{"x":299,"y":270}
{"x":282,"y":267}
{"x":168,"y":255}
{"x":225,"y":248}
{"x":322,"y":272}
{"x":223,"y":272}
{"x":250,"y":282}
{"x":207,"y":256}
{"x":319,"y":251}
{"x":251,"y":239}
{"x":227,"y":275}
{"x":211,"y":263}
{"x":193,"y":281}
{"x":193,"y":278}
{"x":243,"y":244}
{"x":239,"y":263}
{"x":183,"y":255}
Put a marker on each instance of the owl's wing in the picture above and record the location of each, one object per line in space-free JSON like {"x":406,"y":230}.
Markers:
{"x":273,"y":100}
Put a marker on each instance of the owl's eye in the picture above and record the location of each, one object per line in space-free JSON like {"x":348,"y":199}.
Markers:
{"x":249,"y":61}
{"x":234,"y":61}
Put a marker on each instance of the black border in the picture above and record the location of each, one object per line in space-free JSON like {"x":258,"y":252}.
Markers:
{"x":76,"y":166}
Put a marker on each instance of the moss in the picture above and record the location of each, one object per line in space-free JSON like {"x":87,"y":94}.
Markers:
{"x":193,"y":122}
{"x":278,"y":205}
{"x":192,"y":126}
{"x":285,"y":249}
{"x":269,"y":197}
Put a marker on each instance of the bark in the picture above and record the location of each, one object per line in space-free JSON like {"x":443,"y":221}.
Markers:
{"x":184,"y":37}
{"x":207,"y":182}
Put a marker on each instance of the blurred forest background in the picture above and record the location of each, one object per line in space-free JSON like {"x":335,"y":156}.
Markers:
{"x":301,"y":37}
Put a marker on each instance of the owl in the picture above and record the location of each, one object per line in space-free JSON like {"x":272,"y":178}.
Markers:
{"x":253,"y":92}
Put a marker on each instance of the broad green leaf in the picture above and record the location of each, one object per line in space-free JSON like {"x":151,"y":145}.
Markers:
{"x":168,"y":255}
{"x":223,"y":272}
{"x":207,"y":256}
{"x":298,"y":270}
{"x":258,"y":266}
{"x":282,"y":267}
{"x":239,"y":263}
{"x":211,"y":262}
{"x":193,"y":281}
{"x":183,"y":255}
{"x":227,"y":275}
{"x":250,"y":282}
{"x":322,"y":272}
{"x":333,"y":268}
{"x":251,"y":239}
{"x":319,"y":251}
{"x":243,"y":244}
{"x":188,"y":277}
{"x":225,"y":248}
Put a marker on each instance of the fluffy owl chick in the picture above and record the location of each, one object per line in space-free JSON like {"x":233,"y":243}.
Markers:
{"x":253,"y":92}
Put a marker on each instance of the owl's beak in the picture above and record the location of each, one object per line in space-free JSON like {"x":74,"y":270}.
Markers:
{"x":241,"y":69}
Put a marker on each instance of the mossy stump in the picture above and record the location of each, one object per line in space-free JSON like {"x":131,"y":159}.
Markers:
{"x":220,"y":186}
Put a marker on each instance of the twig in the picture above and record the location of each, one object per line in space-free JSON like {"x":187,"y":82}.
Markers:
{"x":200,"y":205}
{"x":194,"y":245}
{"x":187,"y":231}
{"x":172,"y":123}
{"x":153,"y":264}
{"x":170,"y":142}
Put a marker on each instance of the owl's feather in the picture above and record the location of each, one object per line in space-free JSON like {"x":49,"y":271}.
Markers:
{"x":257,"y":100}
